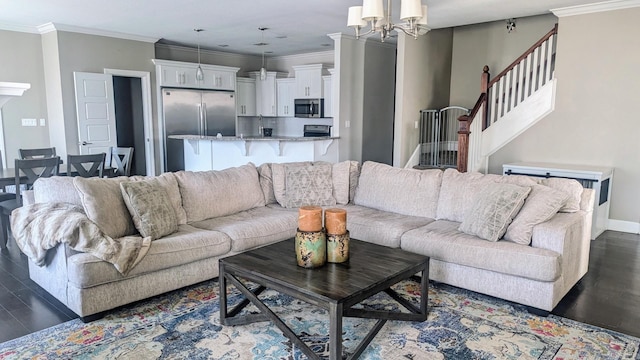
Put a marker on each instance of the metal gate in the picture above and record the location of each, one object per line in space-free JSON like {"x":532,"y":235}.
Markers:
{"x":439,"y":137}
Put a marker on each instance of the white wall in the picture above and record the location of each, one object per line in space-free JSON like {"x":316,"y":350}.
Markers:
{"x":422,"y":81}
{"x":90,"y":53}
{"x":595,"y":121}
{"x":21,"y":61}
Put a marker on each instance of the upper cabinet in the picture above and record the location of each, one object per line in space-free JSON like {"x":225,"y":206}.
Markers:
{"x":246,"y":97}
{"x":183,"y":75}
{"x":328,"y":100}
{"x":308,"y":81}
{"x":285,"y":92}
{"x":266,"y":98}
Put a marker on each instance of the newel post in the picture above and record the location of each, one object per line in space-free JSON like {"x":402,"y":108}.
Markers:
{"x":463,"y":142}
{"x":484,"y":89}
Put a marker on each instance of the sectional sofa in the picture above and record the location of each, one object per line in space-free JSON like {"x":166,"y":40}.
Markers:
{"x":512,"y":237}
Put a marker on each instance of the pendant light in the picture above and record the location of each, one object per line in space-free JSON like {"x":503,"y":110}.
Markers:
{"x":263,"y":70}
{"x":199,"y":72}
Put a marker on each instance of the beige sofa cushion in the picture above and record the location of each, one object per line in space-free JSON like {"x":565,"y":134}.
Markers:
{"x":569,"y":186}
{"x":209,"y":194}
{"x":442,"y":241}
{"x":150,"y":208}
{"x":458,"y":192}
{"x":378,"y":226}
{"x":354,"y":176}
{"x":256,"y":227}
{"x":542,"y":203}
{"x":103,"y":203}
{"x":493,"y":210}
{"x":187,"y":245}
{"x":403,"y":191}
{"x":56,"y":189}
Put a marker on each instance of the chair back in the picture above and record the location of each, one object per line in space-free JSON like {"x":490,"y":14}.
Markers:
{"x":121,"y":158}
{"x":37,"y":153}
{"x":33,"y":169}
{"x":85,"y":165}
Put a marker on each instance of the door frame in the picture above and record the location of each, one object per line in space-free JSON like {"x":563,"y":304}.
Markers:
{"x":145,"y":79}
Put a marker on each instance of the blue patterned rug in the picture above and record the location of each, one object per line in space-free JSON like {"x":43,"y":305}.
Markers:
{"x":185,"y":324}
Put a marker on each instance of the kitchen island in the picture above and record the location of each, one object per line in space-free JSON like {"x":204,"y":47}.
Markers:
{"x":216,"y":153}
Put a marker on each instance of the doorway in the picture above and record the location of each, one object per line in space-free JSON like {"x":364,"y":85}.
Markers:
{"x":128,"y":103}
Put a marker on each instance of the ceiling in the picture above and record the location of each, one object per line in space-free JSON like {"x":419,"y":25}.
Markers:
{"x":295,"y":26}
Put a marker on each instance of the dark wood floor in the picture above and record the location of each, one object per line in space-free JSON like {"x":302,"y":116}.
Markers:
{"x":608,"y":296}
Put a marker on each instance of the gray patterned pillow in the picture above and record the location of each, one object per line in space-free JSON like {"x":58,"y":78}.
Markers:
{"x":150,"y":208}
{"x":308,"y":185}
{"x":493,"y":210}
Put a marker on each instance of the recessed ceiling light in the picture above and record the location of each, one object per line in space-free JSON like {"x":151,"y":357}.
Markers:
{"x":325,"y":44}
{"x":261,"y":44}
{"x":281,"y":37}
{"x":223,"y":45}
{"x":268,"y":52}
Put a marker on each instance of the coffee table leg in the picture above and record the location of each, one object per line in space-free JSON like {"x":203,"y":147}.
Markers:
{"x":223,"y":294}
{"x":335,"y":331}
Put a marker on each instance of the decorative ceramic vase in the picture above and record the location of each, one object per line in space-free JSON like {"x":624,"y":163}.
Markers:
{"x":311,"y":248}
{"x":338,"y":248}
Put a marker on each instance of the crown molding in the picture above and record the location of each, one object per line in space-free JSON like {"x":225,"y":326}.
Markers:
{"x":18,"y":28}
{"x":595,"y":7}
{"x":49,"y":27}
{"x":305,"y":57}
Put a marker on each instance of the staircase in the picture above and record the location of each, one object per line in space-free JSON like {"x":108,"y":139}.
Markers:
{"x":509,"y":104}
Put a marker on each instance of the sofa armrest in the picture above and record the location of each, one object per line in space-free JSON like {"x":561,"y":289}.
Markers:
{"x":587,"y":200}
{"x":566,"y":234}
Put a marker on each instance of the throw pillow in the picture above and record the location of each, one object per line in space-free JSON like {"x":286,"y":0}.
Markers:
{"x":542,"y":203}
{"x":354,"y":175}
{"x":266,"y":183}
{"x":56,"y":189}
{"x":102,"y":202}
{"x":569,"y":186}
{"x":278,"y":177}
{"x":150,"y":208}
{"x":493,"y":210}
{"x":308,"y":185}
{"x":340,"y":178}
{"x":169,"y":183}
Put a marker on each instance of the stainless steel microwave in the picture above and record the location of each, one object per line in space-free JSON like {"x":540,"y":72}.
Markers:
{"x":309,"y":108}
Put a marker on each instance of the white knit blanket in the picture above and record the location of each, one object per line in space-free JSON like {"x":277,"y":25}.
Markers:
{"x":40,"y":227}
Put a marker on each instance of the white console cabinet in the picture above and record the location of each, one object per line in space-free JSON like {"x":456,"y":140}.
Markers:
{"x":591,"y":177}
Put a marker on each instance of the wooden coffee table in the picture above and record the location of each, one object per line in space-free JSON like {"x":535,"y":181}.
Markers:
{"x":336,"y":287}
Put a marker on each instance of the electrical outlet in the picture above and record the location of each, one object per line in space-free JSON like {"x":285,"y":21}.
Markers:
{"x":347,"y":124}
{"x":29,"y":122}
{"x":42,"y":122}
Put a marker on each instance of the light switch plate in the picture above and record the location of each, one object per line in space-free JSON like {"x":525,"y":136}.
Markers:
{"x":29,"y":122}
{"x":347,"y":124}
{"x":415,"y":124}
{"x":42,"y":122}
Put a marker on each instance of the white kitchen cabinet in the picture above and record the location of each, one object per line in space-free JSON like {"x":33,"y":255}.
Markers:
{"x":176,"y":76}
{"x":285,"y":91}
{"x":183,"y":75}
{"x":309,"y":81}
{"x":245,"y":97}
{"x":328,"y":100}
{"x":266,"y":99}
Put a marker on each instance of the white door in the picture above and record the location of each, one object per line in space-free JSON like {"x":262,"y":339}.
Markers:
{"x":95,"y":112}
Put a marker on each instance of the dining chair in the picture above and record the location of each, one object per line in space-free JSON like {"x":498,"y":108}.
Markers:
{"x":37,"y":153}
{"x":86,"y":165}
{"x":120,"y":162}
{"x":4,"y":194}
{"x":27,"y":172}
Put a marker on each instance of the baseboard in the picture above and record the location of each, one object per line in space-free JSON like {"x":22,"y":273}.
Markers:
{"x":624,"y":226}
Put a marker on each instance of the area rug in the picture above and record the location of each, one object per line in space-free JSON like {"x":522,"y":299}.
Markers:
{"x":185,"y":324}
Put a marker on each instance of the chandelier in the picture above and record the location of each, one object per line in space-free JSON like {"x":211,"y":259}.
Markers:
{"x":412,"y":13}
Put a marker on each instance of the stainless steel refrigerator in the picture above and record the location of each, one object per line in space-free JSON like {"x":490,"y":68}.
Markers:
{"x":195,"y":112}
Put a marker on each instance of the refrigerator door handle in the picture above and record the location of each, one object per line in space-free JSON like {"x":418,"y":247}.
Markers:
{"x":204,"y":112}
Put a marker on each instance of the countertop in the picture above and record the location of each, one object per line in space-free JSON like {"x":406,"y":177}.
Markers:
{"x":252,"y":138}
